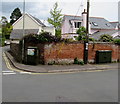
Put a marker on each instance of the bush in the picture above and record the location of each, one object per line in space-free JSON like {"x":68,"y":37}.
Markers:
{"x":31,"y":38}
{"x":51,"y":63}
{"x":42,"y":38}
{"x":106,"y":38}
{"x":117,"y":41}
{"x":81,"y":34}
{"x":2,"y":41}
{"x":69,"y":40}
{"x":91,"y":39}
{"x":48,"y":37}
{"x":76,"y":61}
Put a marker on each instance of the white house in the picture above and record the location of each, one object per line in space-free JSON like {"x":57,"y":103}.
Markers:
{"x":97,"y":25}
{"x":32,"y":25}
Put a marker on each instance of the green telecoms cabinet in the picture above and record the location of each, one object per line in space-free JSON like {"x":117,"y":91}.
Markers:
{"x":32,"y":55}
{"x":103,"y":56}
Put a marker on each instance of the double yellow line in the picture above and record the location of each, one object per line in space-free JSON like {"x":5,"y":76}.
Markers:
{"x":7,"y":62}
{"x":17,"y":70}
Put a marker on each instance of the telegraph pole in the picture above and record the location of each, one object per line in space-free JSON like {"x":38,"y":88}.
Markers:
{"x":87,"y":35}
{"x":23,"y":42}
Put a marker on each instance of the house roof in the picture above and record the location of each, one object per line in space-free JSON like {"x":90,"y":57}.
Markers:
{"x":101,"y":22}
{"x":33,"y":18}
{"x":38,"y":20}
{"x":17,"y":33}
{"x":99,"y":33}
{"x":114,"y":24}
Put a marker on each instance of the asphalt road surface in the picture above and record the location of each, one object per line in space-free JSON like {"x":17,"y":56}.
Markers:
{"x":71,"y":87}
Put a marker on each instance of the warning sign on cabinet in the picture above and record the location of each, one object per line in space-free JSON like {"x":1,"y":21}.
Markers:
{"x":31,"y":52}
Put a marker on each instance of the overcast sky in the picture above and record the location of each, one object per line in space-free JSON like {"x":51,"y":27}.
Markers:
{"x":40,"y":8}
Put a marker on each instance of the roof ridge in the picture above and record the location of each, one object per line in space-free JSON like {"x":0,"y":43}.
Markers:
{"x":97,"y":17}
{"x":114,"y":22}
{"x":71,"y":15}
{"x":81,"y":16}
{"x":37,"y":19}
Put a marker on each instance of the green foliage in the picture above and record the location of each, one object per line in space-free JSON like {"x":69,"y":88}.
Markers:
{"x":0,"y":32}
{"x":117,"y":41}
{"x":91,"y":39}
{"x":2,"y":41}
{"x":76,"y":61}
{"x":56,"y":19}
{"x":6,"y":27}
{"x":69,"y":40}
{"x":31,"y":38}
{"x":106,"y":38}
{"x":6,"y":30}
{"x":47,"y":37}
{"x":81,"y":33}
{"x":15,"y":15}
{"x":58,"y":33}
{"x":44,"y":37}
{"x":51,"y":63}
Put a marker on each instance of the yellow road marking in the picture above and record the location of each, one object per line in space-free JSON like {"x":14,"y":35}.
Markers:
{"x":21,"y":71}
{"x":17,"y":70}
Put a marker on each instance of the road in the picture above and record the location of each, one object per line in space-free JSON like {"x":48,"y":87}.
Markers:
{"x":71,"y":87}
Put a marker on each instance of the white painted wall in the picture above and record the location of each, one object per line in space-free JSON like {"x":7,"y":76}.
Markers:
{"x":49,"y":29}
{"x":29,"y":23}
{"x":69,"y":36}
{"x":66,"y":27}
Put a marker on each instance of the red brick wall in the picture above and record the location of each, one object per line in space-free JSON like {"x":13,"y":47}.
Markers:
{"x":64,"y":51}
{"x":103,"y":46}
{"x":68,"y":51}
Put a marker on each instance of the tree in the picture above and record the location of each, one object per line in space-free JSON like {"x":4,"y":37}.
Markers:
{"x":3,"y":21}
{"x":56,"y":19}
{"x":15,"y":15}
{"x":6,"y":27}
{"x":106,"y":38}
{"x":6,"y":30}
{"x":81,"y":33}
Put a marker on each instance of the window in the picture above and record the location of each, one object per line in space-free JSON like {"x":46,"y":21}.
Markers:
{"x":94,"y":23}
{"x":77,"y":24}
{"x":107,"y":24}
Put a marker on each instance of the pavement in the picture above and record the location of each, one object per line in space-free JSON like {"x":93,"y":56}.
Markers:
{"x":60,"y":68}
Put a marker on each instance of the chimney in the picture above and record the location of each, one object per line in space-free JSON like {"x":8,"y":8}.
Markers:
{"x":84,"y":18}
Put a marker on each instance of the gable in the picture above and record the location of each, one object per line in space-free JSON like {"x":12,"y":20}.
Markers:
{"x":30,"y":23}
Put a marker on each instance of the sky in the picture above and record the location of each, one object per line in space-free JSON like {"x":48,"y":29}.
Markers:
{"x":119,"y":12}
{"x":107,"y":9}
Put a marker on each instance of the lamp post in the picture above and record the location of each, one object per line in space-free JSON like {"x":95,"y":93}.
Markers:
{"x":87,"y":35}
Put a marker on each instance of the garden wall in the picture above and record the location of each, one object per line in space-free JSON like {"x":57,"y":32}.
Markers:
{"x":15,"y":50}
{"x":65,"y":53}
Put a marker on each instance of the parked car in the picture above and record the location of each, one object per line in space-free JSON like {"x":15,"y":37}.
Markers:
{"x":7,"y":42}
